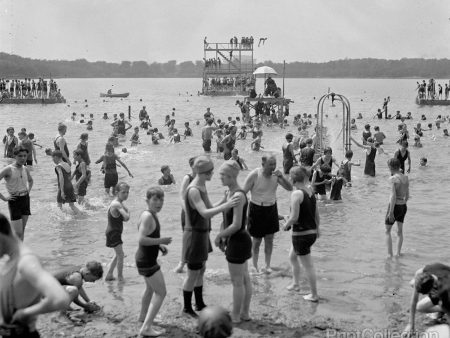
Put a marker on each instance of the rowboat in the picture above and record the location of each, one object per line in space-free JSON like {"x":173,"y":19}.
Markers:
{"x":114,"y":95}
{"x":431,"y":102}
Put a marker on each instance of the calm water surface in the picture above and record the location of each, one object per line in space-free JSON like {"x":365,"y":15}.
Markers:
{"x":350,"y":256}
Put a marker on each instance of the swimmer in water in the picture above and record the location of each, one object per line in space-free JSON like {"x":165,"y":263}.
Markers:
{"x":423,"y":161}
{"x":235,"y":156}
{"x":167,"y":178}
{"x":417,"y":143}
{"x":135,"y":137}
{"x":117,"y":214}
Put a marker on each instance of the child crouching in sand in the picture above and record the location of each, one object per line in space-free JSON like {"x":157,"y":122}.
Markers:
{"x":150,"y":243}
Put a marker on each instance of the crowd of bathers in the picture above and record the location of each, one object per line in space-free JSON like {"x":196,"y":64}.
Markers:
{"x":308,"y":176}
{"x":430,"y":91}
{"x":228,"y":83}
{"x":29,"y":88}
{"x":246,"y":42}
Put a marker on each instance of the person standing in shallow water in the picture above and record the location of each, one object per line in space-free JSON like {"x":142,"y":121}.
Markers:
{"x":117,"y":214}
{"x":288,"y":153}
{"x":371,"y":151}
{"x":18,"y":184}
{"x":196,"y":243}
{"x":304,"y":220}
{"x":263,"y":220}
{"x":26,"y":289}
{"x":397,"y":204}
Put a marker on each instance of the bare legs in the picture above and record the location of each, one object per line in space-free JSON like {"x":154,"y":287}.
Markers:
{"x":399,"y":240}
{"x":307,"y":263}
{"x":19,"y":226}
{"x":268,"y":247}
{"x":242,"y":291}
{"x":117,"y":260}
{"x":153,"y":297}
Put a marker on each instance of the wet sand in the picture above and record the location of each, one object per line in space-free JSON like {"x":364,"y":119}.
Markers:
{"x":275,"y":311}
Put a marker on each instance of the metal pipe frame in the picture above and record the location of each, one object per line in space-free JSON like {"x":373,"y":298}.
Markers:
{"x":346,"y":121}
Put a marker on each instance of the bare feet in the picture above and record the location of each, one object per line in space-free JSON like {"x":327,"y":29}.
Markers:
{"x":120,"y":279}
{"x":236,"y":320}
{"x":267,"y":270}
{"x":151,"y":332}
{"x":109,"y":278}
{"x":311,"y":298}
{"x":293,"y":287}
{"x":245,"y":317}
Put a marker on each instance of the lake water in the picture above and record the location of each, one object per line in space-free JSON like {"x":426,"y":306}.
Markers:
{"x":354,"y":277}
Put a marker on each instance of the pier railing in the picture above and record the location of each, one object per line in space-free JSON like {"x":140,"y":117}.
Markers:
{"x":226,"y":46}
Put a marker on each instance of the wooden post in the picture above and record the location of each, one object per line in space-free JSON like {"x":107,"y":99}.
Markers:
{"x":284,"y":67}
{"x":129,"y":112}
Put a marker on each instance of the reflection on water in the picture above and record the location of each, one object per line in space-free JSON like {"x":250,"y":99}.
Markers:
{"x":349,"y":256}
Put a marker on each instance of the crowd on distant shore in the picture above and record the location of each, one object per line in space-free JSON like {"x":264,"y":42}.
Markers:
{"x":250,"y":214}
{"x":29,"y":88}
{"x":430,"y":91}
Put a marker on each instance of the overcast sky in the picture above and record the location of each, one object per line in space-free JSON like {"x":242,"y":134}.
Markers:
{"x":162,"y":30}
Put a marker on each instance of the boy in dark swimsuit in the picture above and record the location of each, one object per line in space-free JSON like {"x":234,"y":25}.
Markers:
{"x":72,"y":279}
{"x":150,"y":243}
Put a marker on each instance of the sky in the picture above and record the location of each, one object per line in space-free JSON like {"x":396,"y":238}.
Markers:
{"x":163,"y":30}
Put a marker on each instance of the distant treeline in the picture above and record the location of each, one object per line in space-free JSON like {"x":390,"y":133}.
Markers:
{"x":13,"y":66}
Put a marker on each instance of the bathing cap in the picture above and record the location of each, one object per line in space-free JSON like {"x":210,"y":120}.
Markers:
{"x":203,"y":164}
{"x":230,"y":167}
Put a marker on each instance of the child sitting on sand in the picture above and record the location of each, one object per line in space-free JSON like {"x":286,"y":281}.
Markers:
{"x":167,"y":178}
{"x":117,"y":214}
{"x":72,"y":279}
{"x":150,"y":243}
